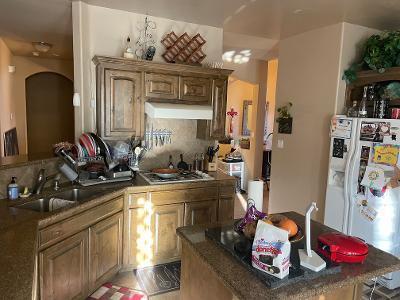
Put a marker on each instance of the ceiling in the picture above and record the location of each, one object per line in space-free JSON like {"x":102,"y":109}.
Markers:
{"x":262,"y":21}
{"x":26,"y":21}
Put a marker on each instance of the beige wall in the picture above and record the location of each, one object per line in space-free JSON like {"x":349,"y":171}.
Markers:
{"x":238,"y":91}
{"x":353,"y":39}
{"x":310,"y":71}
{"x":271,"y":96}
{"x":308,"y":76}
{"x":26,"y":66}
{"x":6,"y":103}
{"x":103,"y":31}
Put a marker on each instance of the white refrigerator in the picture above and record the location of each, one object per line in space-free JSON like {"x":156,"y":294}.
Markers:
{"x":363,"y":189}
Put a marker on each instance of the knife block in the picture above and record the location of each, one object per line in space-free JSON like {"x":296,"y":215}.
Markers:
{"x":210,"y":166}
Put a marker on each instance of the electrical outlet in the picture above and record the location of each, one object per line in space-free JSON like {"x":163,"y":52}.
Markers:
{"x":93,"y":103}
{"x":11,"y":116}
{"x":280,"y":144}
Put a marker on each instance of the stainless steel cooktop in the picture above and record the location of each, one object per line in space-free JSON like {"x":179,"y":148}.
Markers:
{"x":183,"y":177}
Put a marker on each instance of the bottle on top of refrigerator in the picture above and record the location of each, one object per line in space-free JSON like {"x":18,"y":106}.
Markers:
{"x":352,"y":112}
{"x":362,"y":108}
{"x":12,"y":189}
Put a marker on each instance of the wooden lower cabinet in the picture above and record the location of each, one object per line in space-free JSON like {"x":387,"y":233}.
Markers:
{"x":63,"y":268}
{"x":152,"y":237}
{"x":201,"y":212}
{"x":226,"y":208}
{"x":105,"y":250}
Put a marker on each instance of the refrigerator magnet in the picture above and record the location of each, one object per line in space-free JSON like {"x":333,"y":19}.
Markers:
{"x":374,"y":178}
{"x":385,"y":154}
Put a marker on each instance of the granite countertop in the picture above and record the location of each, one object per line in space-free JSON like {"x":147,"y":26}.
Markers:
{"x":245,"y":285}
{"x":19,"y":229}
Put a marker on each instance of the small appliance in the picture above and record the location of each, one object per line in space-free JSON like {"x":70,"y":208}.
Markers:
{"x":339,"y":248}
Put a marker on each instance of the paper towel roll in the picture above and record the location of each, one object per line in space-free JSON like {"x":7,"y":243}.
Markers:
{"x":256,"y":194}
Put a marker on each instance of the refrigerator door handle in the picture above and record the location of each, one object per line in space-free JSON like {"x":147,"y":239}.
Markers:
{"x":348,"y":177}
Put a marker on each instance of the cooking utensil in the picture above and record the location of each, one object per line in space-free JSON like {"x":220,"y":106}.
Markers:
{"x":166,"y":173}
{"x":182,"y":165}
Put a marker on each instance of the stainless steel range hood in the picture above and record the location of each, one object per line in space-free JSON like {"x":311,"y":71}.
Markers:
{"x":178,"y":111}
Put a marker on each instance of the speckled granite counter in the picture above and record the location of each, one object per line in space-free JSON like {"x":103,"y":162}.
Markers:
{"x":245,"y":285}
{"x":19,"y":228}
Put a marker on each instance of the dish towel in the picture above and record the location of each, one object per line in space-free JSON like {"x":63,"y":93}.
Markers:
{"x":108,"y":291}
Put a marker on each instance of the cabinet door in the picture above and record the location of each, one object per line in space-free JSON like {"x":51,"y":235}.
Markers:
{"x":202,"y":212}
{"x":219,"y":108}
{"x":226,"y":208}
{"x":122,"y":104}
{"x":162,"y":86}
{"x":152,"y":234}
{"x":215,"y":128}
{"x":64,"y":269}
{"x":105,"y":250}
{"x":196,"y":90}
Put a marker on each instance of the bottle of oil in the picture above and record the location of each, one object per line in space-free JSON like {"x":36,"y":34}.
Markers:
{"x":362,"y":108}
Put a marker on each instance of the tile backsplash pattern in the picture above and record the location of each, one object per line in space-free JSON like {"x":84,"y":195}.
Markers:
{"x":183,"y":141}
{"x":26,"y":173}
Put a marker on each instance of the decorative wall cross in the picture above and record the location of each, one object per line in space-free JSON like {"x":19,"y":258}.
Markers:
{"x":232,"y":113}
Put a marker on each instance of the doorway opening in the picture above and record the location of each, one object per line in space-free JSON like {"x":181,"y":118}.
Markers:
{"x":49,"y":112}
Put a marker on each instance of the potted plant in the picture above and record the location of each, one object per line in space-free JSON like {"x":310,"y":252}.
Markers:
{"x":284,"y":119}
{"x":381,"y":51}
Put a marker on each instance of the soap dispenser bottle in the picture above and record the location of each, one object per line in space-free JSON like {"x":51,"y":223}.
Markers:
{"x":12,"y":189}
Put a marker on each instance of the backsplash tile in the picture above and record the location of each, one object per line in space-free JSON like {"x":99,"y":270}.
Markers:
{"x":183,"y":141}
{"x":26,"y":173}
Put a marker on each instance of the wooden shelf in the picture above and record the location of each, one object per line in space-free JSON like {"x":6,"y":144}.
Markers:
{"x":354,"y":90}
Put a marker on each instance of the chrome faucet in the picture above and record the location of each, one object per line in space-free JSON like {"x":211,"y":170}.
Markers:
{"x":41,"y":180}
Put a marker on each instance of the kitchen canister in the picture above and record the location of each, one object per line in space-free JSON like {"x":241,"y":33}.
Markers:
{"x":256,"y":194}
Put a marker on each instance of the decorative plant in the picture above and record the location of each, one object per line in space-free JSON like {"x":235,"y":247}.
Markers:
{"x":284,"y":113}
{"x":380,"y":52}
{"x":284,"y":119}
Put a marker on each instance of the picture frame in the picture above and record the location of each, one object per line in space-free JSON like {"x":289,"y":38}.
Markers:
{"x":247,"y":112}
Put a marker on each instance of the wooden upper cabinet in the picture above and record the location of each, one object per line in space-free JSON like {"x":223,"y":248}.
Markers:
{"x":201,"y":212}
{"x":161,"y":86}
{"x":63,"y":269}
{"x":122,"y":102}
{"x":215,"y":128}
{"x":195,"y":89}
{"x":105,"y":250}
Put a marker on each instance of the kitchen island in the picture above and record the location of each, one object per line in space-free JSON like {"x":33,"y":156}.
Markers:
{"x":211,"y":272}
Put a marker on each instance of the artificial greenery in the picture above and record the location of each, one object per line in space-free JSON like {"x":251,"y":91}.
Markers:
{"x":284,"y":112}
{"x":381,"y":51}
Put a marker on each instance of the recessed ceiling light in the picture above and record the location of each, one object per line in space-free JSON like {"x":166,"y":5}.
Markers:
{"x":298,"y":11}
{"x":42,"y":46}
{"x":35,"y":53}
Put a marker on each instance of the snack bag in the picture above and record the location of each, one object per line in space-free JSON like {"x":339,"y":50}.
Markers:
{"x":252,"y":214}
{"x":271,"y":250}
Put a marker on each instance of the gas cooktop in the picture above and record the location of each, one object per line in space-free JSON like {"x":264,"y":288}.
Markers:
{"x":183,"y":177}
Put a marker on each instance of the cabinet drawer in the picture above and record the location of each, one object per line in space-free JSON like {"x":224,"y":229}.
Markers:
{"x":167,"y":197}
{"x":227,"y":191}
{"x":63,"y":229}
{"x":162,"y":86}
{"x":137,"y":200}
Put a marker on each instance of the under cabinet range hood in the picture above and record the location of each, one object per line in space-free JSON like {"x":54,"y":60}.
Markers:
{"x":178,"y":111}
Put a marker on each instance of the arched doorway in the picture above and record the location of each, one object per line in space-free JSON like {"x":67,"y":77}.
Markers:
{"x":49,"y":112}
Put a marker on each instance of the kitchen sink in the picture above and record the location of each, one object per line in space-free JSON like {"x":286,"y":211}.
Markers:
{"x":46,"y":204}
{"x":59,"y":200}
{"x":76,"y":194}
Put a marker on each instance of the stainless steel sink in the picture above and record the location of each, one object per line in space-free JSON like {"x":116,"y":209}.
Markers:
{"x":76,"y":194}
{"x":46,"y":204}
{"x":59,"y":200}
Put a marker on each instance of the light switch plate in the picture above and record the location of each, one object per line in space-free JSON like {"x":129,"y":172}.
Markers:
{"x":280,"y":144}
